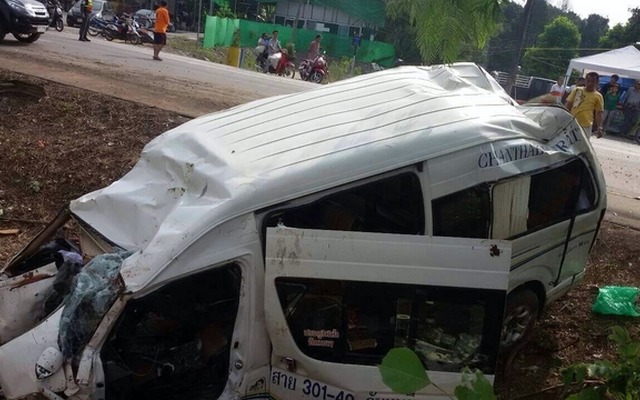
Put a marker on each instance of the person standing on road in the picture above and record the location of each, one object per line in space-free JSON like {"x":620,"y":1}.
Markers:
{"x":586,"y":103}
{"x":631,"y":106}
{"x":86,"y":7}
{"x":160,"y":29}
{"x":557,"y":90}
{"x":613,"y":81}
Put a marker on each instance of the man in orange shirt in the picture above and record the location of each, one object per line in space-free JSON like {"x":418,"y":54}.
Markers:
{"x":160,"y":29}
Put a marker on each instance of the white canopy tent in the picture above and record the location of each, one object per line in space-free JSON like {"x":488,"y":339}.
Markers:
{"x":624,"y":62}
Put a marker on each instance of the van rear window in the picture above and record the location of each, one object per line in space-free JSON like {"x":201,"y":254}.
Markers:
{"x":535,"y":201}
{"x":353,"y":322}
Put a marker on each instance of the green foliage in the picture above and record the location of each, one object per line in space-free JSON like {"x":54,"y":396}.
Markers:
{"x":291,"y":49}
{"x":609,"y":380}
{"x":614,"y":38}
{"x":266,"y":12}
{"x":557,"y":45}
{"x":235,"y":42}
{"x":339,"y":69}
{"x":403,"y":372}
{"x":593,"y":28}
{"x":474,"y":386}
{"x":442,"y":27}
{"x":623,"y":35}
{"x":225,"y":12}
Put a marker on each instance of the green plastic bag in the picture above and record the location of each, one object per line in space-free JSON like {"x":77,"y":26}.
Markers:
{"x":617,"y":300}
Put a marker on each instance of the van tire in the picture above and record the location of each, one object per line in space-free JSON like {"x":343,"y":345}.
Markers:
{"x":521,"y":313}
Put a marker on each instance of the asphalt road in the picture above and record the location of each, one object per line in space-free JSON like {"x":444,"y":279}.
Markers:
{"x":620,"y":158}
{"x":138,"y":58}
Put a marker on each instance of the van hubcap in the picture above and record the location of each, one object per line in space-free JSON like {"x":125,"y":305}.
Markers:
{"x":516,"y":325}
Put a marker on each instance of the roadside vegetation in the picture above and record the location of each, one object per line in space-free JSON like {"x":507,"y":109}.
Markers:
{"x":338,"y":68}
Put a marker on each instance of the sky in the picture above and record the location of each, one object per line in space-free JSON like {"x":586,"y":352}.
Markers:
{"x":615,"y":10}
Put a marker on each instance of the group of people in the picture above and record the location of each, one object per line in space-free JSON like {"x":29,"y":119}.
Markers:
{"x":269,"y":48}
{"x":594,"y":108}
{"x":159,"y":29}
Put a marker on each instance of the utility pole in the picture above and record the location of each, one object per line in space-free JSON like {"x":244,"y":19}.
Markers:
{"x":526,"y":17}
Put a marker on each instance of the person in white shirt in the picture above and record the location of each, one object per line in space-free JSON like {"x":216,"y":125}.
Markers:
{"x":557,"y":90}
{"x":274,"y":49}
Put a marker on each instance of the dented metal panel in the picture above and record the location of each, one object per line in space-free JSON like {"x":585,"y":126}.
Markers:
{"x":21,"y":301}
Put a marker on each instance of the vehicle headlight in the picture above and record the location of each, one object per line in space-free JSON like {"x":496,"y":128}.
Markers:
{"x":19,"y":7}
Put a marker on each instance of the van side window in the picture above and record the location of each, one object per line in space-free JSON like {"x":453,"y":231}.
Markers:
{"x":355,"y":322}
{"x":542,"y":199}
{"x":463,"y":214}
{"x":560,"y":193}
{"x":391,"y":205}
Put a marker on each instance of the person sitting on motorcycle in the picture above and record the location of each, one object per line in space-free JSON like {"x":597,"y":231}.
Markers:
{"x":261,"y":49}
{"x":274,"y":49}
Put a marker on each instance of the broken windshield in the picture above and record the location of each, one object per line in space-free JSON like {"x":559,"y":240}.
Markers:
{"x":94,"y":290}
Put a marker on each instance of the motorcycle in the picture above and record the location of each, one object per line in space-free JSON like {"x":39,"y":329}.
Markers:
{"x":314,"y":70}
{"x":55,"y":11}
{"x":284,"y":67}
{"x":97,"y":26}
{"x":146,"y":35}
{"x":122,"y":29}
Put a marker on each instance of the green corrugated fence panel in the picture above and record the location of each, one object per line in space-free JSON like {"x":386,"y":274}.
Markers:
{"x":219,"y":32}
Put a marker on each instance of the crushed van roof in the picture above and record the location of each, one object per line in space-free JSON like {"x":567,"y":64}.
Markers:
{"x":223,"y":164}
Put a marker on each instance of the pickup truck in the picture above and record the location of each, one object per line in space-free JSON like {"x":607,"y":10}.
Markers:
{"x":26,"y":20}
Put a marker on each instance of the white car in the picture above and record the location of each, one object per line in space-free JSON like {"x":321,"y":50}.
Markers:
{"x":147,"y":19}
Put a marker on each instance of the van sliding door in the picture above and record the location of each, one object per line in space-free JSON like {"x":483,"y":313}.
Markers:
{"x":337,"y":302}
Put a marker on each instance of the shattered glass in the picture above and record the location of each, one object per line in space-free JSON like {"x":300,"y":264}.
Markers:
{"x":69,"y":264}
{"x":94,"y":290}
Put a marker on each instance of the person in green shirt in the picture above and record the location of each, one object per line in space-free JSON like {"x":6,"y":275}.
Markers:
{"x":611,"y":99}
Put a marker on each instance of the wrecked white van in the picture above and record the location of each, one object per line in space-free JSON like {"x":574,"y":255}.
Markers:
{"x":282,"y":248}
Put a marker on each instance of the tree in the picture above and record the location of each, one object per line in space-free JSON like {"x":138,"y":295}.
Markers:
{"x":557,"y":45}
{"x":591,"y":31}
{"x":443,"y":28}
{"x":623,"y":35}
{"x":501,"y":49}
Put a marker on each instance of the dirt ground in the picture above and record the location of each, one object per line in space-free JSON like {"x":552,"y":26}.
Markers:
{"x":74,"y":141}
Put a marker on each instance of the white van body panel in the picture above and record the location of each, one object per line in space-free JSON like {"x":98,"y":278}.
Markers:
{"x":369,"y":257}
{"x":225,"y":164}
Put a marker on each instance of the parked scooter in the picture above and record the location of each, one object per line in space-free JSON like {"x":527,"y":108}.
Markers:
{"x":146,"y":35}
{"x":314,"y":70}
{"x":97,"y":26}
{"x":284,"y":67}
{"x":122,"y":29}
{"x":55,"y":11}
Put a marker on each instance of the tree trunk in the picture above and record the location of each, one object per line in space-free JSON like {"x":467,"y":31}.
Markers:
{"x":526,"y":18}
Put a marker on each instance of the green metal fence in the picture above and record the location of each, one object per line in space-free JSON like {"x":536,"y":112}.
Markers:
{"x":220,"y":32}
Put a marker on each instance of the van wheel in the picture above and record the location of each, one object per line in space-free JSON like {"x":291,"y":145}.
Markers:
{"x":26,"y":37}
{"x":520,"y":317}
